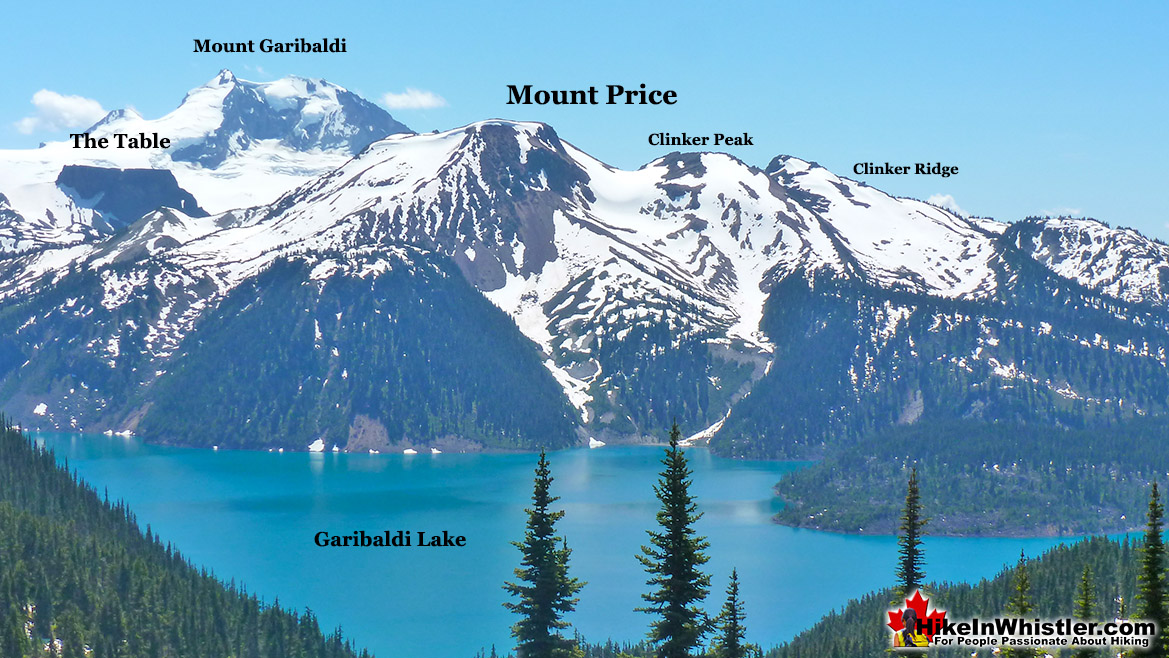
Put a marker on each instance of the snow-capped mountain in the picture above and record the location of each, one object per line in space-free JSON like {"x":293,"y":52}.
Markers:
{"x":522,"y":212}
{"x":697,"y":288}
{"x":234,"y":144}
{"x":530,"y":219}
{"x":228,"y":116}
{"x":1118,"y":262}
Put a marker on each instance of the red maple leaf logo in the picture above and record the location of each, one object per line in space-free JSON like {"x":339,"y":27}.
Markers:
{"x":931,"y":621}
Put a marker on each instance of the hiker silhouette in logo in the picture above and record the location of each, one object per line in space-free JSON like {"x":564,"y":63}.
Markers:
{"x":909,"y":636}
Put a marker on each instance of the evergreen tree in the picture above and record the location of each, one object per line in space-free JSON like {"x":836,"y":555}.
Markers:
{"x":1020,"y":605}
{"x":1085,"y":606}
{"x":1151,"y":577}
{"x":546,"y":592}
{"x":673,"y":560}
{"x":71,"y":634}
{"x":910,"y":572}
{"x":83,"y":575}
{"x":13,"y":640}
{"x":731,"y":642}
{"x":1054,"y":581}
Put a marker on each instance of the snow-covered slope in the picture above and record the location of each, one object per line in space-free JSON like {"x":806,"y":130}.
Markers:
{"x":578,"y":253}
{"x":1120,"y":262}
{"x":234,"y":144}
{"x":893,"y":242}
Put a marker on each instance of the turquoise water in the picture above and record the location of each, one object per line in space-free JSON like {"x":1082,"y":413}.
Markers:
{"x":252,"y":517}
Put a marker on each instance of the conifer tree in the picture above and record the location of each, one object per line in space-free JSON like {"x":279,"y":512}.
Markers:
{"x":911,"y":563}
{"x":545,"y":591}
{"x":673,"y":560}
{"x":72,"y":634}
{"x":1085,"y":607}
{"x":1151,"y":577}
{"x":1020,"y":605}
{"x":732,"y":642}
{"x":13,"y":640}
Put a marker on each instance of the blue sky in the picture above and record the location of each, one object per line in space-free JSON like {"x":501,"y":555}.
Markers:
{"x":1045,"y":107}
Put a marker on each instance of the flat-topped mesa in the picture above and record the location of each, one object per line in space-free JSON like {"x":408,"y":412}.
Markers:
{"x":122,"y":196}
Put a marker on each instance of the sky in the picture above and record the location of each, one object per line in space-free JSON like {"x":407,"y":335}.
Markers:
{"x":1046,"y":108}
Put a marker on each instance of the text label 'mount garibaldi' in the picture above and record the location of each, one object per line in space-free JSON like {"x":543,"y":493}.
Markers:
{"x":297,"y":45}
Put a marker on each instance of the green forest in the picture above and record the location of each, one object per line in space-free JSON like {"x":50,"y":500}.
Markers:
{"x":852,"y":360}
{"x":415,"y":349}
{"x":79,"y":579}
{"x":1095,"y":579}
{"x":985,"y":479}
{"x":396,"y":338}
{"x":857,"y":630}
{"x":677,"y":585}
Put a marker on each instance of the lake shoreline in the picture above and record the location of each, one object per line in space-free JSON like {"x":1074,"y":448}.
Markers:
{"x":272,"y":506}
{"x":957,"y":535}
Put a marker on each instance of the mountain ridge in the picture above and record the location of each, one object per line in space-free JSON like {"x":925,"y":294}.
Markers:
{"x":646,"y":293}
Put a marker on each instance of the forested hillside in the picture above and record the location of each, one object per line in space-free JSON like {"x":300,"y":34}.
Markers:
{"x":393,"y":349}
{"x":985,"y":479}
{"x":858,"y":630}
{"x":78,"y":579}
{"x":852,"y":359}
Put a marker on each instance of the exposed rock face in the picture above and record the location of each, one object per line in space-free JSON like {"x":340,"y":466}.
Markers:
{"x":122,"y":196}
{"x":367,"y":434}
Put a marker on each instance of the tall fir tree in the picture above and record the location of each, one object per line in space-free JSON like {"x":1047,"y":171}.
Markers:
{"x":1020,"y":605}
{"x":545,"y":591}
{"x":732,"y":638}
{"x":1085,"y":607}
{"x":911,"y":562}
{"x":673,"y":560}
{"x":1151,"y":576}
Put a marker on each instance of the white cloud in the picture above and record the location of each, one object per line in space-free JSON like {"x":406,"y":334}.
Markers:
{"x":413,"y":99}
{"x":57,"y":112}
{"x":1061,"y":211}
{"x":947,"y":201}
